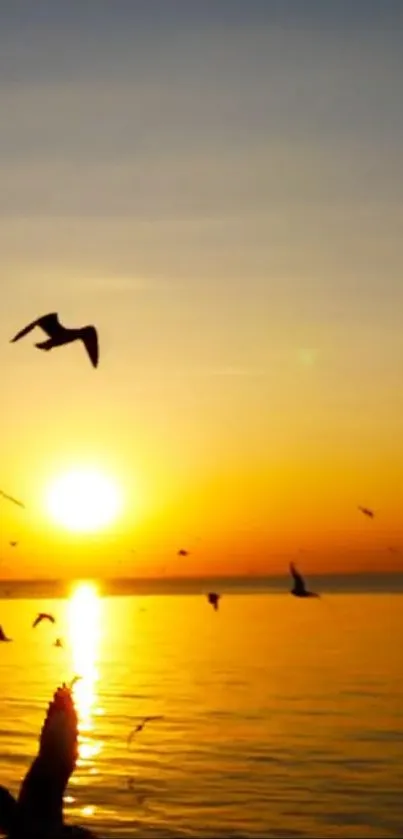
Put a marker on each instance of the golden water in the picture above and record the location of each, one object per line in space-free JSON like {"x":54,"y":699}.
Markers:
{"x":281,"y":718}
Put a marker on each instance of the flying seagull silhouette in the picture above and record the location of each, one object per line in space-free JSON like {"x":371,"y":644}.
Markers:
{"x":58,"y":643}
{"x":13,"y":544}
{"x":3,"y":636}
{"x":300,"y":589}
{"x":43,"y":616}
{"x":367,"y":512}
{"x":59,"y":335}
{"x":140,"y":727}
{"x":182,"y":552}
{"x":38,"y":811}
{"x":13,"y":500}
{"x":214,"y":599}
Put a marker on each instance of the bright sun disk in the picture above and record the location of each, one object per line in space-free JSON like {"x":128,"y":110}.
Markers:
{"x":83,"y":500}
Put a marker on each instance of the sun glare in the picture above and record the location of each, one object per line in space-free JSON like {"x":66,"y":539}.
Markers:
{"x":84,"y":624}
{"x":83,"y":500}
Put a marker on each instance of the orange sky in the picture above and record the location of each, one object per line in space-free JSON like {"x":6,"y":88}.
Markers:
{"x":221,"y":195}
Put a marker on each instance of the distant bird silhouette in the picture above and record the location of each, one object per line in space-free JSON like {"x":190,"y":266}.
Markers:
{"x":182,"y":552}
{"x":3,"y":636}
{"x":38,"y":811}
{"x":140,"y":727}
{"x":300,"y":589}
{"x":59,"y":335}
{"x":214,"y":600}
{"x":367,"y":512}
{"x":13,"y":544}
{"x":58,"y":643}
{"x":43,"y":616}
{"x":13,"y":500}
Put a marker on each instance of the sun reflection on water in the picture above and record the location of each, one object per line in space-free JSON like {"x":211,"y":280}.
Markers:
{"x":84,"y":628}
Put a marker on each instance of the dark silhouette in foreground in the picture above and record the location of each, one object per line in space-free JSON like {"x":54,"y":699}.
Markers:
{"x":43,"y":616}
{"x":13,"y":500}
{"x":3,"y":636}
{"x":59,"y":335}
{"x":300,"y":589}
{"x":140,"y":727}
{"x":367,"y":512}
{"x":38,"y":811}
{"x":214,"y":600}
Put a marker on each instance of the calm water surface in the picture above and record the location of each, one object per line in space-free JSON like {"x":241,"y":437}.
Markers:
{"x":281,"y":718}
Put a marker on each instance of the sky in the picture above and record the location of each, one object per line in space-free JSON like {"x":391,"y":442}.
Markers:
{"x":217,"y":186}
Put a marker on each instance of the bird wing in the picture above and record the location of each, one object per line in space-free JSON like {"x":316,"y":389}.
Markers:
{"x":90,"y":340}
{"x":367,"y":512}
{"x":298,"y":578}
{"x":43,"y":616}
{"x":10,"y":498}
{"x":42,"y":790}
{"x":141,"y":725}
{"x":59,"y":736}
{"x":49,"y":323}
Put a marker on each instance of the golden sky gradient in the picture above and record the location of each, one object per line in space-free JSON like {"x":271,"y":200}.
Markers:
{"x":218,"y":188}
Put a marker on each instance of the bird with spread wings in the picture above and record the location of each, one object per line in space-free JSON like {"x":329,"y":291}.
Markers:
{"x":299,"y":589}
{"x":37,"y":813}
{"x":59,"y":335}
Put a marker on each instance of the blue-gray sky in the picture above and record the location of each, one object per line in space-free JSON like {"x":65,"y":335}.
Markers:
{"x":218,"y":185}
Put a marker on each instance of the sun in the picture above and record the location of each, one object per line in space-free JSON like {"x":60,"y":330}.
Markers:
{"x":83,"y":500}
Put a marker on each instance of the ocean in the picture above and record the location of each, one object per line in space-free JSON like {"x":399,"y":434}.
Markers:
{"x":280,"y":718}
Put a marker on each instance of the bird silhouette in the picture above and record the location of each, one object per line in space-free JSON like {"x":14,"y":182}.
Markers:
{"x":300,"y":589}
{"x":43,"y":616}
{"x":58,"y":643}
{"x":13,"y":500}
{"x":182,"y":552}
{"x":367,"y":512}
{"x":59,"y":335}
{"x":3,"y":636}
{"x":214,"y":599}
{"x":13,"y":544}
{"x":38,"y":810}
{"x":140,"y":727}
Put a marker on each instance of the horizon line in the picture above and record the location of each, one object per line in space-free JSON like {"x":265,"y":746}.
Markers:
{"x":192,"y":578}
